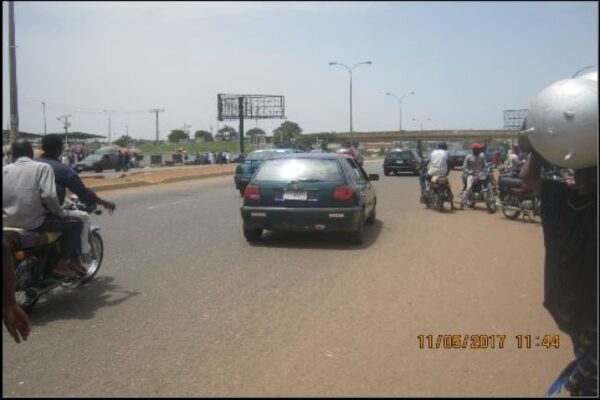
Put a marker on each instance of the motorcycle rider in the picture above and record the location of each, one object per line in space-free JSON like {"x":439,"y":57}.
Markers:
{"x":438,"y":166}
{"x":67,"y":178}
{"x":474,"y":163}
{"x":29,"y":201}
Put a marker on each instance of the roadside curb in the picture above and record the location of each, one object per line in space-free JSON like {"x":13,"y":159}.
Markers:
{"x":127,"y":185}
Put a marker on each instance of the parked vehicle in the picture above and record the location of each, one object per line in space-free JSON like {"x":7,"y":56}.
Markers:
{"x":101,"y":159}
{"x":249,"y":165}
{"x":437,"y":192}
{"x":351,"y":151}
{"x":309,"y":192}
{"x":456,"y":158}
{"x":35,"y":254}
{"x":397,"y":161}
{"x":482,"y":190}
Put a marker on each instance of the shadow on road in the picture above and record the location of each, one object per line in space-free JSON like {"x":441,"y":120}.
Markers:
{"x":81,"y":302}
{"x":319,"y":240}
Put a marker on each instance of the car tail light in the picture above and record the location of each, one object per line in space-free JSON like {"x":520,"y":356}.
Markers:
{"x":251,"y":193}
{"x":413,"y":161}
{"x":342,"y":193}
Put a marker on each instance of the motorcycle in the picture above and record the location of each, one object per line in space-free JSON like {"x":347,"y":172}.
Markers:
{"x":517,"y":197}
{"x":36,"y":253}
{"x":437,"y":191}
{"x":483,"y":190}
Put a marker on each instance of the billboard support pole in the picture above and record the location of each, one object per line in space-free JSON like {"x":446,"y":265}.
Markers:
{"x":241,"y":105}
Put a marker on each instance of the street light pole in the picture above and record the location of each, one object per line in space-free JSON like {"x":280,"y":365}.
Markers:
{"x":44,"y":105}
{"x":400,"y":103}
{"x":350,"y":72}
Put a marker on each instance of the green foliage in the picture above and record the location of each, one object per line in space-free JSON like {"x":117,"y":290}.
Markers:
{"x":229,"y":146}
{"x":123,"y":141}
{"x":226,"y":133}
{"x":283,"y":135}
{"x":205,"y":135}
{"x":254,"y":133}
{"x":176,"y":135}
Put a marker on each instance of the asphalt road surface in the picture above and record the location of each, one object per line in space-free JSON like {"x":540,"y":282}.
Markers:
{"x":183,"y":306}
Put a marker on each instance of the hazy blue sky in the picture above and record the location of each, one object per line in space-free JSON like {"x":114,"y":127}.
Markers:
{"x":466,"y":61}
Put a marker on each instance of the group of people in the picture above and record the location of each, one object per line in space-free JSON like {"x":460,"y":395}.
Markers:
{"x":33,"y":193}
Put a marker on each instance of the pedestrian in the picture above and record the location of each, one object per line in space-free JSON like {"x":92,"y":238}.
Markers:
{"x":211,"y":157}
{"x":513,"y":157}
{"x":126,"y":159}
{"x":120,"y":159}
{"x":569,"y":221}
{"x":496,"y":157}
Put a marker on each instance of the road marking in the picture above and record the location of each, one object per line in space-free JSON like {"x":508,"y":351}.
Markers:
{"x":170,"y":204}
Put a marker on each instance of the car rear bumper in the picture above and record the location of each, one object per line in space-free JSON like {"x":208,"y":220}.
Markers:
{"x":400,"y":168}
{"x":302,"y":219}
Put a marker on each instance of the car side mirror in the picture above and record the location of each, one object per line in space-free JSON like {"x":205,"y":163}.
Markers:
{"x":373,"y":177}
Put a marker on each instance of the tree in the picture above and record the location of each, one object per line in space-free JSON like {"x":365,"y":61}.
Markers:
{"x":204,"y":135}
{"x":283,"y":135}
{"x":254,"y":133}
{"x":226,"y":133}
{"x":177,"y":135}
{"x":123,"y":141}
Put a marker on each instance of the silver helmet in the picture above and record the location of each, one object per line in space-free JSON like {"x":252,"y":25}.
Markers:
{"x":562,"y":122}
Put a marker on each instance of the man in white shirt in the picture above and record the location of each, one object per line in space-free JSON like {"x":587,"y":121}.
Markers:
{"x":29,"y":201}
{"x":438,"y":166}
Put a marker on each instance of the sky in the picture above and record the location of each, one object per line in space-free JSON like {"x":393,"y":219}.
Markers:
{"x":467,"y":62}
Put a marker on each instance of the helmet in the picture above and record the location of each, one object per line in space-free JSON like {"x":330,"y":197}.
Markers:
{"x":477,"y":147}
{"x":563,"y":122}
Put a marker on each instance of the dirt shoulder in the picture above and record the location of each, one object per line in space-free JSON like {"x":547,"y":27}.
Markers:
{"x":142,"y":178}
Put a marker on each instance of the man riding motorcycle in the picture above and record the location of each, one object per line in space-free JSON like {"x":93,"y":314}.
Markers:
{"x":29,"y":201}
{"x":438,"y":166}
{"x":474,"y":163}
{"x":67,"y":178}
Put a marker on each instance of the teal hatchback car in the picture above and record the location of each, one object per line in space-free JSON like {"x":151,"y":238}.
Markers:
{"x":309,"y":192}
{"x":248,"y":167}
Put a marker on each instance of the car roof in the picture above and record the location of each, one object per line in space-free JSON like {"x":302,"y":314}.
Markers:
{"x":318,"y":156}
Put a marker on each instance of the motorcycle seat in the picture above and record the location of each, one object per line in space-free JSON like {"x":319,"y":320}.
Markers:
{"x":510,"y":182}
{"x":19,"y":239}
{"x":440,"y":180}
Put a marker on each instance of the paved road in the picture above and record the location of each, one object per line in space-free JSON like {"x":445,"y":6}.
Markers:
{"x":183,"y":306}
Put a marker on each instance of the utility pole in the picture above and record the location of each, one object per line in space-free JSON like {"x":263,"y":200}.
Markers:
{"x":66,"y":124}
{"x":14,"y":110}
{"x":127,"y":130}
{"x":157,"y":110}
{"x":241,"y":111}
{"x":44,"y":105}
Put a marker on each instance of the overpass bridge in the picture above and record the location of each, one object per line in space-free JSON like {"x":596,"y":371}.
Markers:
{"x":447,"y":135}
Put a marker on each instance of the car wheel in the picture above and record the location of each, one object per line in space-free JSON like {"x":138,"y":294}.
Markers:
{"x":97,"y":169}
{"x":373,"y":216}
{"x":253,"y":234}
{"x":242,"y":191}
{"x":356,"y":237}
{"x":386,"y":172}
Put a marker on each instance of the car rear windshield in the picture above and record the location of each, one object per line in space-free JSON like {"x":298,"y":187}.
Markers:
{"x":258,"y":155}
{"x":401,"y":155}
{"x":294,"y":169}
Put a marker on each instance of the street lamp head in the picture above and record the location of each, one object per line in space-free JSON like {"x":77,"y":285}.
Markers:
{"x":388,"y":94}
{"x":332,"y":63}
{"x":368,"y":62}
{"x":412,"y":93}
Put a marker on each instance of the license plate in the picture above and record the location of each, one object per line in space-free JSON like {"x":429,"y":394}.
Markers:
{"x":400,"y":162}
{"x":295,"y":195}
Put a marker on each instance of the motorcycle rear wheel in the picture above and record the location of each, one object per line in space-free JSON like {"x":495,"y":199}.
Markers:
{"x":511,"y":201}
{"x":437,"y":201}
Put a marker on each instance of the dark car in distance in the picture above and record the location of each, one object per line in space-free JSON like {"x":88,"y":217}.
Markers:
{"x":309,"y":192}
{"x":248,"y":165}
{"x":101,"y":159}
{"x":456,"y":158}
{"x":397,"y":161}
